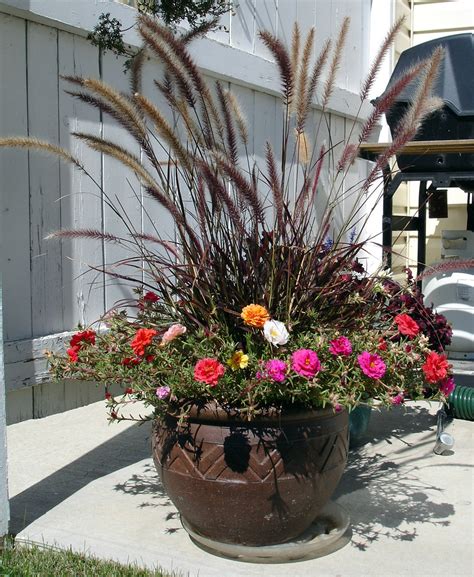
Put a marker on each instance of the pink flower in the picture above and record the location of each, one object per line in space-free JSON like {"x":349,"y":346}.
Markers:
{"x":276,"y":370}
{"x":371,"y":365}
{"x":163,"y":392}
{"x":305,"y":362}
{"x":447,"y":386}
{"x":208,"y":371}
{"x":172,"y":333}
{"x":397,"y":399}
{"x":340,"y":347}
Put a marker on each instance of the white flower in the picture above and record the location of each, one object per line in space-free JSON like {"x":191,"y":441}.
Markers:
{"x":275,"y":332}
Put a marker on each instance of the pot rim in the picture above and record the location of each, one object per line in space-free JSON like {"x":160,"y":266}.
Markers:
{"x":212,"y":411}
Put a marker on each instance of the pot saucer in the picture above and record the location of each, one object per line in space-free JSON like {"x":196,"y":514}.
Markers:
{"x":327,"y":534}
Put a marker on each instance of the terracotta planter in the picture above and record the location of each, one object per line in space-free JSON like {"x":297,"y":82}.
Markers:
{"x":258,"y":483}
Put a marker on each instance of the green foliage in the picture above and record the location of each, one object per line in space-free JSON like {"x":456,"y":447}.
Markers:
{"x":34,"y":561}
{"x":200,"y":15}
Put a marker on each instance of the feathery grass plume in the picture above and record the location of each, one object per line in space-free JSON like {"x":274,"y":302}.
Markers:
{"x":220,"y":192}
{"x":302,"y":82}
{"x":335,"y":62}
{"x":275,"y":187}
{"x":238,"y":116}
{"x":90,"y":233}
{"x":304,"y":200}
{"x":136,"y":68}
{"x":164,"y":130}
{"x":229,"y":124}
{"x":199,"y":30}
{"x":295,"y":48}
{"x":41,"y":146}
{"x":211,"y":118}
{"x":348,"y":156}
{"x":448,"y":265}
{"x":420,"y":106}
{"x":316,"y":73}
{"x":381,"y":53}
{"x":386,"y":101}
{"x":246,"y":190}
{"x":119,"y":153}
{"x":117,"y":101}
{"x":192,"y":129}
{"x":174,"y":71}
{"x":277,"y":48}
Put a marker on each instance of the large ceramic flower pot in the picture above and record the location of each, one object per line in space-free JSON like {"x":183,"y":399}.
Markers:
{"x":258,"y":483}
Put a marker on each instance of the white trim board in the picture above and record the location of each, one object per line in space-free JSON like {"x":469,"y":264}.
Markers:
{"x":214,"y":58}
{"x":25,"y":361}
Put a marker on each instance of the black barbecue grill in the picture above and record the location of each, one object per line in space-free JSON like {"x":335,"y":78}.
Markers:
{"x":455,"y":120}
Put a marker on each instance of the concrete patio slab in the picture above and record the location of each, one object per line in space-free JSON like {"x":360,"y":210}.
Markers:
{"x":76,"y":481}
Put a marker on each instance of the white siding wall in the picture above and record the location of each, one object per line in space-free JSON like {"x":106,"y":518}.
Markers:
{"x":45,"y":290}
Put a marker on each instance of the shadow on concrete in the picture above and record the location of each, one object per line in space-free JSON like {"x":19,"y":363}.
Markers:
{"x":148,"y":484}
{"x":128,"y":447}
{"x":385,"y":494}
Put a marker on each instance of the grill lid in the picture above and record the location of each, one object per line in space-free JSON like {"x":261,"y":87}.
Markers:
{"x":455,"y":82}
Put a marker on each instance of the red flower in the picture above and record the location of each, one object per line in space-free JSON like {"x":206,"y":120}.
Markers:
{"x":72,"y":353}
{"x":382,"y":346}
{"x":83,"y":337}
{"x":150,"y":358}
{"x":407,"y":326}
{"x":208,"y":371}
{"x":151,"y":297}
{"x":141,"y":340}
{"x":108,"y":395}
{"x":128,"y":391}
{"x":76,"y":344}
{"x":436,"y":367}
{"x":130,"y":361}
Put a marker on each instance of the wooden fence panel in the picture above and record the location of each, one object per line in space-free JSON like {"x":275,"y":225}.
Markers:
{"x":121,"y":188}
{"x":45,"y":213}
{"x":81,"y":202}
{"x":15,"y":226}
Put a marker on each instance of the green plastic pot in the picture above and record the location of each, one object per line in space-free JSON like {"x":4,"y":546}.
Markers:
{"x":461,"y":403}
{"x":358,"y":424}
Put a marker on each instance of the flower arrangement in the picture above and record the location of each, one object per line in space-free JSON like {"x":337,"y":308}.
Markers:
{"x":272,"y":367}
{"x":259,"y":300}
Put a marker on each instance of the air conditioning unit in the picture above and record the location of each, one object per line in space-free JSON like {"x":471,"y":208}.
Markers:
{"x":452,"y":292}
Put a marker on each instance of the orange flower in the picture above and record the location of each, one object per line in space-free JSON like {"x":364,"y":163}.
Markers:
{"x":255,"y":315}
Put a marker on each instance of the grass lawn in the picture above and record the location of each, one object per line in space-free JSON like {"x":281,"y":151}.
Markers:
{"x":29,"y":560}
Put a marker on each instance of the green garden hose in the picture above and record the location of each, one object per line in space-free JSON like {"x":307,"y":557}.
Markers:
{"x":461,"y":403}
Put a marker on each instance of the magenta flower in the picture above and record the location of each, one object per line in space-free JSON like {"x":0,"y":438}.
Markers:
{"x":447,"y":386}
{"x":305,"y":362}
{"x":163,"y":392}
{"x":371,"y":365}
{"x":397,"y":399}
{"x":340,"y":347}
{"x":276,"y":370}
